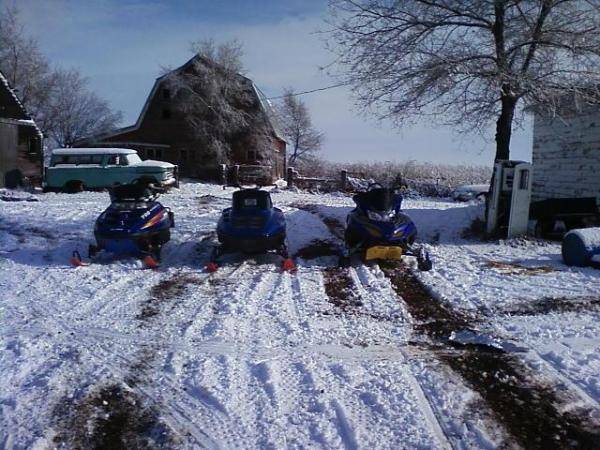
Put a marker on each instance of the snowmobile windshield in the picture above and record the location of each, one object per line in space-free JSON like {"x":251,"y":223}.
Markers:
{"x":378,"y":199}
{"x":130,"y":193}
{"x":251,"y":199}
{"x":130,"y":206}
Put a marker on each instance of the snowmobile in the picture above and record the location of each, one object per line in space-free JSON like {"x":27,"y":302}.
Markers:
{"x":251,"y":225}
{"x":134,"y":224}
{"x":379,"y":230}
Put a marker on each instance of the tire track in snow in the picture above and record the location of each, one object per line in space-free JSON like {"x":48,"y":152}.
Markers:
{"x":429,"y":408}
{"x":183,"y":409}
{"x":529,"y":409}
{"x":102,"y":353}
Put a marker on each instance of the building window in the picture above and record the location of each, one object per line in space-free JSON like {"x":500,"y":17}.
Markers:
{"x":524,"y":180}
{"x":166,"y":113}
{"x":166,"y":94}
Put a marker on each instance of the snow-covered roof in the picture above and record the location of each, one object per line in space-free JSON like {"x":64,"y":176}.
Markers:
{"x":269,"y":111}
{"x":92,"y":151}
{"x":27,"y":121}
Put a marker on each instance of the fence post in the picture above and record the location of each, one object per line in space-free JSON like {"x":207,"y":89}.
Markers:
{"x":290,"y":177}
{"x":344,"y":180}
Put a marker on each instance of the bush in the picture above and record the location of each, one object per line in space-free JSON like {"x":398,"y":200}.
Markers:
{"x":424,"y":178}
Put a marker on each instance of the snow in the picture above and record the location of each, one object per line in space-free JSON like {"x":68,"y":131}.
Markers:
{"x":251,"y":357}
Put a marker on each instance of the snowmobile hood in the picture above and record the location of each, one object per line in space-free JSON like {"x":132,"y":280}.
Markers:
{"x":129,"y":219}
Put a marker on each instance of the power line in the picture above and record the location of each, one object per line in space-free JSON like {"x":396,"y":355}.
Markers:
{"x":294,"y":94}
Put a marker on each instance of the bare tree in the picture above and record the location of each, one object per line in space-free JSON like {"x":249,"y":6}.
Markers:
{"x":26,"y":68}
{"x":228,"y":55}
{"x":219,"y":105}
{"x":76,"y":112}
{"x":468,"y":63}
{"x":303,"y":139}
{"x":59,"y":100}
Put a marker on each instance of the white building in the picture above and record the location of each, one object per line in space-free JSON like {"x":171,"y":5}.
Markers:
{"x":566,"y":154}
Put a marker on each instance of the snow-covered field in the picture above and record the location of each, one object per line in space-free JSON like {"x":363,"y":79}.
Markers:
{"x":252,"y":357}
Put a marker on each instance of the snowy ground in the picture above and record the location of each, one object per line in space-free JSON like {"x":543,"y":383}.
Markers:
{"x":250,"y":357}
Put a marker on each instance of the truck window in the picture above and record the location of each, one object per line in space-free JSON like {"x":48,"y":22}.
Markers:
{"x":114,"y":160}
{"x":133,"y":158}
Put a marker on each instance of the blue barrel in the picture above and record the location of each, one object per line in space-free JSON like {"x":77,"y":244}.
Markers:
{"x":580,"y":246}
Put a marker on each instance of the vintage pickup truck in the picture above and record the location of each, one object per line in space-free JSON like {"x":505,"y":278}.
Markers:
{"x":76,"y":169}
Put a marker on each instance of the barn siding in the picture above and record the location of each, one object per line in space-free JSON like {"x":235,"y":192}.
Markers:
{"x":566,"y":156}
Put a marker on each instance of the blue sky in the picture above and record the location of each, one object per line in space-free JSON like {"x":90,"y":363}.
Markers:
{"x":122,"y":45}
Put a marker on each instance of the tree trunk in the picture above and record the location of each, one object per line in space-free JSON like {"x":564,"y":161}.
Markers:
{"x":504,"y":127}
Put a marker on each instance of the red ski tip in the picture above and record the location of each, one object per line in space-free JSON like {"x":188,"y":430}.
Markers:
{"x":288,"y":265}
{"x":150,"y":262}
{"x":76,"y":260}
{"x":212,"y":267}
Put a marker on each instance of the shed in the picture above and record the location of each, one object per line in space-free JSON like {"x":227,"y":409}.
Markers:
{"x":21,"y":155}
{"x":566,"y":165}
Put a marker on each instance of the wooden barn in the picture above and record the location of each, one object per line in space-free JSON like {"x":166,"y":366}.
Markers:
{"x":163,"y":131}
{"x":566,"y":166}
{"x":21,"y":152}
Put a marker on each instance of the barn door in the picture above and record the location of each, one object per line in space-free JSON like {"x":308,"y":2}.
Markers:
{"x":520,"y":200}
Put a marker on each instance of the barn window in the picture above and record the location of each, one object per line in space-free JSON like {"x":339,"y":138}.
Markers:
{"x":166,"y":94}
{"x":159,"y":153}
{"x":166,"y":113}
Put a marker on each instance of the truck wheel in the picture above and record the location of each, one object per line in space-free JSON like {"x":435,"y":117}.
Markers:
{"x":73,"y":186}
{"x":145,"y":181}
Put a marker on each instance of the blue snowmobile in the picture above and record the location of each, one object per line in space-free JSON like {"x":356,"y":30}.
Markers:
{"x":251,"y":225}
{"x":134,"y":223}
{"x":379,"y":230}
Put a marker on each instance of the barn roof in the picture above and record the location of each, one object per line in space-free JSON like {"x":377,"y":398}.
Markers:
{"x":265,"y":105}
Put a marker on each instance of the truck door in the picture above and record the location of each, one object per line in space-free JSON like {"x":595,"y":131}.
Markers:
{"x":116,"y":170}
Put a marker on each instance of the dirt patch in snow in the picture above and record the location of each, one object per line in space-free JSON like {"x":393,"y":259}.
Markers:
{"x":548,"y":305}
{"x":318,"y":248}
{"x":517,"y":269}
{"x":335,"y":226}
{"x":166,"y":290}
{"x":110,"y":417}
{"x":529,"y":410}
{"x":339,"y":288}
{"x":433,"y":318}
